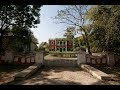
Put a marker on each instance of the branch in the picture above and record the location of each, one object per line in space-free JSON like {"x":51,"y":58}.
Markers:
{"x":71,"y":14}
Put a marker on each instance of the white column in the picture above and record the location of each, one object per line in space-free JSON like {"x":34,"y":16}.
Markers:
{"x":55,"y":44}
{"x":73,"y":44}
{"x":66,"y":45}
{"x":81,"y":57}
{"x":39,"y":57}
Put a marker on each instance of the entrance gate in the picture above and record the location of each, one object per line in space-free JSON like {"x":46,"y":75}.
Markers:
{"x":64,"y":60}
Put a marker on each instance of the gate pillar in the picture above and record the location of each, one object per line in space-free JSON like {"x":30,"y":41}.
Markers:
{"x":81,"y":57}
{"x":39,"y":57}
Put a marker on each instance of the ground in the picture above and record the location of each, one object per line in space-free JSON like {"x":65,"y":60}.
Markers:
{"x":114,"y":72}
{"x":61,"y":76}
{"x":56,"y":75}
{"x":8,"y":71}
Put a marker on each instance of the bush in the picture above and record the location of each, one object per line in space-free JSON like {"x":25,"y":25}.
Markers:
{"x":77,"y":49}
{"x":83,"y":48}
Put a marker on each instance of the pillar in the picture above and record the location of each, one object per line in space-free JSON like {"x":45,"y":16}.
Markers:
{"x":81,"y":57}
{"x":110,"y":59}
{"x":39,"y":57}
{"x":9,"y":56}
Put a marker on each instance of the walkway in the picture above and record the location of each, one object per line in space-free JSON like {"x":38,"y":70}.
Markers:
{"x":61,"y":76}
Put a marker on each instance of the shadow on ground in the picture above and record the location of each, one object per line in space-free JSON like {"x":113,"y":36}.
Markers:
{"x":61,"y":69}
{"x":43,"y":77}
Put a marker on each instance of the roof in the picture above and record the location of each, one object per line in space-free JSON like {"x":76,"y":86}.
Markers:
{"x":58,"y":39}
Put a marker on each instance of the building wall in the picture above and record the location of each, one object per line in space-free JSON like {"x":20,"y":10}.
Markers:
{"x":52,"y":45}
{"x":60,"y":45}
{"x":70,"y":45}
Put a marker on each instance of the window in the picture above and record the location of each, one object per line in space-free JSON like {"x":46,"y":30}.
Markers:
{"x":60,"y":43}
{"x":63,"y":43}
{"x":63,"y":49}
{"x":52,"y":43}
{"x":57,"y":48}
{"x":68,"y":49}
{"x":57,"y":42}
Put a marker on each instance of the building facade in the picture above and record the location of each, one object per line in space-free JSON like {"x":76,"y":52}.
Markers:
{"x":60,"y":44}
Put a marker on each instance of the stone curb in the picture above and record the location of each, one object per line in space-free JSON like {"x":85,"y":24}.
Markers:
{"x":24,"y":74}
{"x":28,"y":72}
{"x":95,"y":72}
{"x":7,"y":81}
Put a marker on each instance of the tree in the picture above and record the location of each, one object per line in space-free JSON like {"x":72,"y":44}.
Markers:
{"x":79,"y":43}
{"x":23,"y":38}
{"x":74,"y":15}
{"x":44,"y":45}
{"x":17,"y":15}
{"x":105,"y":20}
{"x":69,"y":33}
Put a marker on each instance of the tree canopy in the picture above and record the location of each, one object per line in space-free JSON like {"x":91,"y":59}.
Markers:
{"x":25,"y":16}
{"x":75,"y":15}
{"x":106,"y":27}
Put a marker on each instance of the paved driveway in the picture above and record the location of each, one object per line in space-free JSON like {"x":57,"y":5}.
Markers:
{"x":61,"y":76}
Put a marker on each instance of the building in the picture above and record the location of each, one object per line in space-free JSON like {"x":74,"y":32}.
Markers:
{"x":60,"y":44}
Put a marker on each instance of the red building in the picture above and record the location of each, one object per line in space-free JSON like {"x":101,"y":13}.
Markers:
{"x":60,"y":44}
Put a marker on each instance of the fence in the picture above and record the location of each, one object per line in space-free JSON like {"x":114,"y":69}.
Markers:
{"x":24,"y":59}
{"x":109,"y":59}
{"x":117,"y":60}
{"x":96,"y":60}
{"x":82,"y":58}
{"x":30,"y":58}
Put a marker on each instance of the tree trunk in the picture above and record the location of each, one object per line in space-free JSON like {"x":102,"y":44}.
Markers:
{"x":1,"y":40}
{"x":87,"y":41}
{"x":88,"y":46}
{"x":1,"y":43}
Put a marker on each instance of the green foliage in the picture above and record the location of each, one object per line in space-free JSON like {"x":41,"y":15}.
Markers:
{"x":75,"y":15}
{"x":106,"y":35}
{"x":18,"y":15}
{"x":79,"y":44}
{"x":70,"y":33}
{"x":76,"y":49}
{"x":22,"y":39}
{"x":44,"y":46}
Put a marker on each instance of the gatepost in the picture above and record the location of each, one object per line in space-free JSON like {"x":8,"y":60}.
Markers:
{"x":39,"y":57}
{"x":81,"y":57}
{"x":110,"y":59}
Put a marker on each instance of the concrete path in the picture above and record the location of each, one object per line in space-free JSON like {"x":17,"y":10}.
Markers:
{"x":50,"y":57}
{"x":61,"y":76}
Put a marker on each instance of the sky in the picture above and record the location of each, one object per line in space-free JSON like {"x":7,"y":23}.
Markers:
{"x":47,"y":28}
